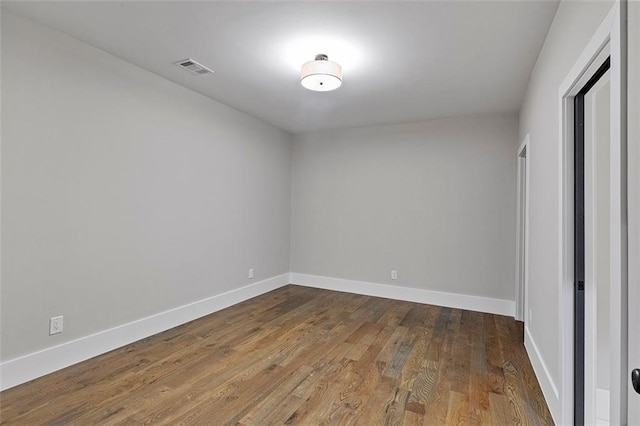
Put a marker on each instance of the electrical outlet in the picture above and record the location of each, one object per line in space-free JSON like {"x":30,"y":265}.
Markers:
{"x":56,"y":325}
{"x":394,"y":274}
{"x":250,"y":273}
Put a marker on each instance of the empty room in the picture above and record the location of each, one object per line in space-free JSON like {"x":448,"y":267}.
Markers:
{"x":320,"y":212}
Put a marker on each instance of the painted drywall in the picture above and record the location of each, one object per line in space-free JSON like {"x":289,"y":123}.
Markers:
{"x":434,"y":200}
{"x":572,"y":28}
{"x":125,"y":195}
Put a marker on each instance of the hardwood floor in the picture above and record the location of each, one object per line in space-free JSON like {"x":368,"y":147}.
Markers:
{"x":300,"y":356}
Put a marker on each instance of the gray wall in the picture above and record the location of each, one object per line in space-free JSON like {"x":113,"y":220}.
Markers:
{"x":435,"y":200}
{"x":124,"y":195}
{"x":572,"y":28}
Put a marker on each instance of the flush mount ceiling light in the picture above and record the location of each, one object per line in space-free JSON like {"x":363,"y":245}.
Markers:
{"x":321,"y":75}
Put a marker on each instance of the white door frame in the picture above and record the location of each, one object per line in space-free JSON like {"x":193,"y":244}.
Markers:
{"x":522,"y":234}
{"x":633,"y":176}
{"x":608,"y":40}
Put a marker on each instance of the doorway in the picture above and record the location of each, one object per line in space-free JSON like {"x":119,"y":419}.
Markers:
{"x":592,"y":129}
{"x":522,"y":236}
{"x":577,"y":282}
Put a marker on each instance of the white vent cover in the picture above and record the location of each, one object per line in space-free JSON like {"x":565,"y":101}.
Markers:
{"x":193,"y":67}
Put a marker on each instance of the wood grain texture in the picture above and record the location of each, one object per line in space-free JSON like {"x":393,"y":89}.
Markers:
{"x":300,"y":356}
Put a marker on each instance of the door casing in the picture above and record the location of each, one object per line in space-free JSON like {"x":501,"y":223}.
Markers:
{"x":633,"y":158}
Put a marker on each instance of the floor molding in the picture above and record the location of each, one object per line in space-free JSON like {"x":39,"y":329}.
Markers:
{"x":40,"y":363}
{"x":549,"y":388}
{"x":287,"y":342}
{"x":410,"y":294}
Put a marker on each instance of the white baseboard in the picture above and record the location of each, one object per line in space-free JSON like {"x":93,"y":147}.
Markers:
{"x":37,"y":364}
{"x":549,"y":388}
{"x":602,"y":406}
{"x":450,"y":300}
{"x":40,"y":363}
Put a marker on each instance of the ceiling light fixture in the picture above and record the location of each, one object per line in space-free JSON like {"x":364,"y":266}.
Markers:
{"x":321,"y":75}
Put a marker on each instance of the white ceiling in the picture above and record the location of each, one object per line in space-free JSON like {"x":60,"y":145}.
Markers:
{"x":403,"y":61}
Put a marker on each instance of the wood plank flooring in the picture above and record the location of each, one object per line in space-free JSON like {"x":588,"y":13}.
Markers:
{"x":301,"y":356}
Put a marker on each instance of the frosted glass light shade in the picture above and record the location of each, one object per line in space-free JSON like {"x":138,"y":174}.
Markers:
{"x":321,"y":75}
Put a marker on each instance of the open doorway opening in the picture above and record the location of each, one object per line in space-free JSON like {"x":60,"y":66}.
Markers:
{"x":522,"y":236}
{"x":592,"y":250}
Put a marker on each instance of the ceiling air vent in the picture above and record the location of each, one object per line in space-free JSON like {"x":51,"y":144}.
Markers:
{"x":194,"y":67}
